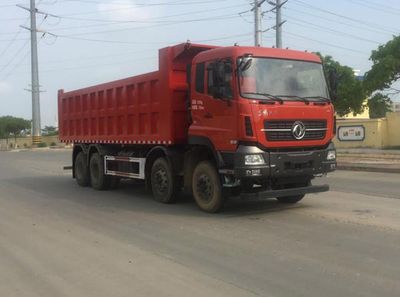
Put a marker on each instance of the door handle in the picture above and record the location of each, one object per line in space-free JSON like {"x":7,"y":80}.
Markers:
{"x":208,"y":115}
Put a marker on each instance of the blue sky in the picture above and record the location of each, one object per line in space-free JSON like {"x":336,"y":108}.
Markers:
{"x":98,"y":40}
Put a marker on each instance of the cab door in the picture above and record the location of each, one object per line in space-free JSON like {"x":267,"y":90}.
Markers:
{"x":214,"y":110}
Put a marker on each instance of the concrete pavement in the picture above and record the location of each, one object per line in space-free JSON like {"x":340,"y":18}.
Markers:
{"x":57,"y":239}
{"x":368,"y":159}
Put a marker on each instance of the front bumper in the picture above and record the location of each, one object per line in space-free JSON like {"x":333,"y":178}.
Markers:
{"x":287,"y":192}
{"x":283,"y":164}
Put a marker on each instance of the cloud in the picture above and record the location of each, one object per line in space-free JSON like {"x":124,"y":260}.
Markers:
{"x":5,"y":87}
{"x":125,"y":10}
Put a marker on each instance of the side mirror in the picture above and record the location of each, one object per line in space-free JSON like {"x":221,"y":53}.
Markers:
{"x":244,"y":64}
{"x":333,"y":83}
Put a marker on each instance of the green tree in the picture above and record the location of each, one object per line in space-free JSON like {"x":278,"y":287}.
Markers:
{"x":49,"y":131}
{"x":2,"y":129}
{"x":12,"y":126}
{"x":350,"y":92}
{"x":378,"y":105}
{"x":385,"y":69}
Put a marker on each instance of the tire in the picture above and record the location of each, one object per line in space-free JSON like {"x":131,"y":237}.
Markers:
{"x":81,"y":170}
{"x":98,"y":179}
{"x":207,"y":188}
{"x":163,"y":182}
{"x":290,"y":199}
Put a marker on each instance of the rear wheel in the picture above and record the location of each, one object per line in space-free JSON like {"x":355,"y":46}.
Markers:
{"x":207,"y":189}
{"x":81,"y":170}
{"x":98,"y":179}
{"x":163,"y":182}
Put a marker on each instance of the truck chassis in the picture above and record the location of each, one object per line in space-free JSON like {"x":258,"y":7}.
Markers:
{"x":194,"y":170}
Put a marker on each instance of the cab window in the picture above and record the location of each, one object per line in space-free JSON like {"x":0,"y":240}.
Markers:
{"x":219,"y":79}
{"x":200,"y":69}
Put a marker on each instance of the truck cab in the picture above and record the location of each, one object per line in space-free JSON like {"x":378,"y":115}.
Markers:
{"x":267,"y":115}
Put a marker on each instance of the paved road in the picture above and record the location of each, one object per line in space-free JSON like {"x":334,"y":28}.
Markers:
{"x":57,"y":239}
{"x":368,"y":183}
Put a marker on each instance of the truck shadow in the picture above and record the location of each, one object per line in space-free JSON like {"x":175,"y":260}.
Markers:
{"x":132,"y":196}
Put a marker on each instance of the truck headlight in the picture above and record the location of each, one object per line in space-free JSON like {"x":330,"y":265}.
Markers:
{"x":254,"y":160}
{"x":331,"y":155}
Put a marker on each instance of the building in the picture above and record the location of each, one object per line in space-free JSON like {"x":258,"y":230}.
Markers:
{"x":396,"y":106}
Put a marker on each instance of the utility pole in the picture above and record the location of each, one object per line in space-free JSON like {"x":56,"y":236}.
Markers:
{"x":36,"y":127}
{"x":277,"y":6}
{"x":35,"y":87}
{"x":278,"y":24}
{"x":257,"y":22}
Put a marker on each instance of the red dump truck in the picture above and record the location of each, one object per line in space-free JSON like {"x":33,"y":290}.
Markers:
{"x":212,"y":122}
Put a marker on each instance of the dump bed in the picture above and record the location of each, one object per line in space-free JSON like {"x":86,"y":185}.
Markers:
{"x":145,"y":109}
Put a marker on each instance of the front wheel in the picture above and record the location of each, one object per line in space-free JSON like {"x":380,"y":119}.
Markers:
{"x":207,"y":188}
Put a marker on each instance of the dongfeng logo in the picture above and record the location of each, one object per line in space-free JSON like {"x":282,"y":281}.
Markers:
{"x":298,"y":130}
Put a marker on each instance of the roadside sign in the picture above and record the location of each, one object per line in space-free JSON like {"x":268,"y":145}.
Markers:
{"x":351,"y":133}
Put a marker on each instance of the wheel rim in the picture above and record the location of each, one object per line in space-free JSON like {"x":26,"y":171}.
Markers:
{"x":161,"y":181}
{"x":205,"y":188}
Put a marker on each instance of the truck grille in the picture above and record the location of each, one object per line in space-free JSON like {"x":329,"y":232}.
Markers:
{"x":282,"y":130}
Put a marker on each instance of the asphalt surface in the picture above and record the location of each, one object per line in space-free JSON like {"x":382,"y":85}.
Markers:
{"x":57,"y":239}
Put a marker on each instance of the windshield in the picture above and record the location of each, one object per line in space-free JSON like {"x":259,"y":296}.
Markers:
{"x":283,"y":78}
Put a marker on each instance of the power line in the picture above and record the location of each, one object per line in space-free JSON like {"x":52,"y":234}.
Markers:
{"x":15,"y":66}
{"x":173,"y":3}
{"x":225,"y":37}
{"x":141,"y":42}
{"x":157,"y":24}
{"x":214,"y":18}
{"x":339,"y":22}
{"x":12,"y":40}
{"x":18,"y":51}
{"x":149,"y":21}
{"x":91,"y":57}
{"x":8,"y":5}
{"x":376,"y":7}
{"x":125,"y":7}
{"x":92,"y":66}
{"x":304,"y":4}
{"x":382,"y":5}
{"x":14,"y":56}
{"x":326,"y":43}
{"x":325,"y":29}
{"x":123,"y":54}
{"x":117,"y":22}
{"x":167,"y":23}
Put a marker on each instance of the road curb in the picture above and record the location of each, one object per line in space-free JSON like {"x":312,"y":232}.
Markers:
{"x":354,"y":167}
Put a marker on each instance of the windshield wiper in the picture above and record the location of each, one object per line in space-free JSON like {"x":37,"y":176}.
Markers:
{"x":296,"y":97}
{"x":322,"y":98}
{"x":268,"y":96}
